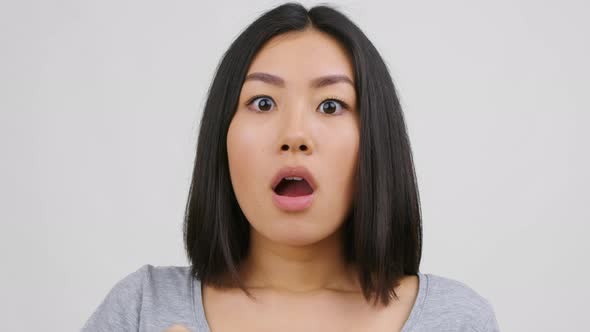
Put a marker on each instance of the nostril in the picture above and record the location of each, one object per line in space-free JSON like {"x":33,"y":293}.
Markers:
{"x":303,"y":148}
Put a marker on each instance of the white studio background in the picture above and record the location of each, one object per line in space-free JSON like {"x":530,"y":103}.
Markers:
{"x":100,"y":102}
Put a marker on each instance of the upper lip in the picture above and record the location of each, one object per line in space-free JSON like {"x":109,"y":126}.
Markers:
{"x":299,"y":171}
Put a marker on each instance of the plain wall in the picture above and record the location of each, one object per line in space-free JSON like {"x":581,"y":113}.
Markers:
{"x":100,"y":103}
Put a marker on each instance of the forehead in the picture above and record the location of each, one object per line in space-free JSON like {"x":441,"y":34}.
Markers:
{"x":302,"y":55}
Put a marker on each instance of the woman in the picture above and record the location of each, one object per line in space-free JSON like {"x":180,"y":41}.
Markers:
{"x":303,"y":213}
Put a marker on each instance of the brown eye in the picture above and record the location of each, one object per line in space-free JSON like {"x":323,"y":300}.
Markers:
{"x":262,"y":104}
{"x":331,"y":106}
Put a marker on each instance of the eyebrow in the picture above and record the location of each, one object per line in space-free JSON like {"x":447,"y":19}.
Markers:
{"x":316,"y":83}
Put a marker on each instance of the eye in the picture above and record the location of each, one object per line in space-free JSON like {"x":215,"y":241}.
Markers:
{"x":333,"y":106}
{"x":329,"y":106}
{"x":261,"y":103}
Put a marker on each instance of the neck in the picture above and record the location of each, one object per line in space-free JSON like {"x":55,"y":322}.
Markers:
{"x":298,"y":269}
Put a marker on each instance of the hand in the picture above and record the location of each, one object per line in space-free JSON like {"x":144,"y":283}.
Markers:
{"x":177,"y":328}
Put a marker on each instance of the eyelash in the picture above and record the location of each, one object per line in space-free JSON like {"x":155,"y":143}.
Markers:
{"x":251,"y":100}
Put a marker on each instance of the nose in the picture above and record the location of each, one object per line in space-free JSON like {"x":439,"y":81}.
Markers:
{"x":295,"y":136}
{"x":296,"y":147}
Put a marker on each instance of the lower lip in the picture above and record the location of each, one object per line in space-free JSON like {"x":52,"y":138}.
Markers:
{"x":292,"y":204}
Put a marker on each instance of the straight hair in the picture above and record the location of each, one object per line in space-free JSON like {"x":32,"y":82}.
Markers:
{"x":382,"y":232}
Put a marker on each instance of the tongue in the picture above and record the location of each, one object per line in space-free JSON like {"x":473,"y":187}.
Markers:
{"x":293,"y":188}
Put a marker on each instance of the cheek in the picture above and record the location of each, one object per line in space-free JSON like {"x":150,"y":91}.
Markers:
{"x":343,"y":156}
{"x":341,"y":167}
{"x":239,"y":145}
{"x":246,"y":162}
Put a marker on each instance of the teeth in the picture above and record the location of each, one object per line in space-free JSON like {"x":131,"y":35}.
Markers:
{"x":294,"y":178}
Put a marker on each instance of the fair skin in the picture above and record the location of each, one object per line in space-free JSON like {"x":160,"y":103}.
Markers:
{"x":295,"y":267}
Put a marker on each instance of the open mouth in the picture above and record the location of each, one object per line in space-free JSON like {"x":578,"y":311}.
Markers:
{"x":293,"y":187}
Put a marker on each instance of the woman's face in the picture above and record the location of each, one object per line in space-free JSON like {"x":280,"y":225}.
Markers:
{"x":292,"y":119}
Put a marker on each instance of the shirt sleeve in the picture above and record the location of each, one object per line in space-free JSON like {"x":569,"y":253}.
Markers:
{"x":490,"y":322}
{"x":119,"y":310}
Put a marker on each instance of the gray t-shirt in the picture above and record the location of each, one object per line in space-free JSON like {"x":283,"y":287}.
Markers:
{"x":154,"y":298}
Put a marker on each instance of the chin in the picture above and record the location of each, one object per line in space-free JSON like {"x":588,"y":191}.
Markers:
{"x":291,"y":234}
